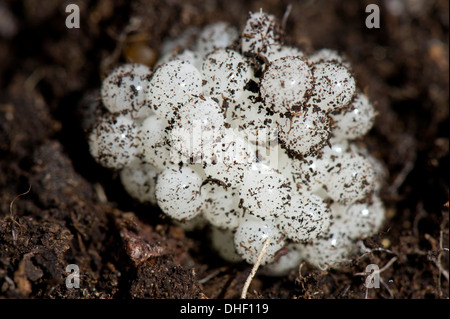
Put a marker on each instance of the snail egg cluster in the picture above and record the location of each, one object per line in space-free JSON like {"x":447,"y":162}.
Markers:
{"x":251,"y":136}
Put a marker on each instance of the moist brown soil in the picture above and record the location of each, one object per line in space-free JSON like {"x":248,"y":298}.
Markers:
{"x":76,"y":212}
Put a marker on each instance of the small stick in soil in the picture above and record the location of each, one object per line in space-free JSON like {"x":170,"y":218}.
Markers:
{"x":100,"y":191}
{"x":370,"y":251}
{"x":437,"y":260}
{"x":389,"y":264}
{"x":401,"y":176}
{"x":285,"y":16}
{"x":12,"y":218}
{"x":255,"y":268}
{"x":442,"y":271}
{"x":212,"y":275}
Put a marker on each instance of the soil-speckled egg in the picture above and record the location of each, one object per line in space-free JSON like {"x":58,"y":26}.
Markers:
{"x":286,"y":84}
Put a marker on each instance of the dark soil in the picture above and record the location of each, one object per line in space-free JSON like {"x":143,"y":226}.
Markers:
{"x":77,"y":213}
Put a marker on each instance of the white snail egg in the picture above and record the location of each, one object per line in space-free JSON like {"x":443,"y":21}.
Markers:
{"x":153,"y":134}
{"x":126,"y":89}
{"x":285,"y":84}
{"x":139,"y":180}
{"x":215,"y":36}
{"x":330,"y":251}
{"x":306,"y":132}
{"x":112,"y":141}
{"x":221,"y":207}
{"x":187,"y":55}
{"x":275,"y":52}
{"x":285,"y":263}
{"x":198,"y":125}
{"x":354,"y":121}
{"x":265,"y":192}
{"x":225,"y":74}
{"x":178,"y":192}
{"x":260,"y":32}
{"x":327,"y":55}
{"x":306,"y":218}
{"x":361,"y":219}
{"x":250,"y":236}
{"x":254,"y":123}
{"x":172,"y":85}
{"x":183,"y":41}
{"x":230,"y":158}
{"x":311,"y":173}
{"x":351,"y":178}
{"x":334,"y":86}
{"x":222,"y":241}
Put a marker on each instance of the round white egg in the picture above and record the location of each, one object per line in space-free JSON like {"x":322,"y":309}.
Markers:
{"x":305,"y":132}
{"x":125,"y":89}
{"x":139,"y":180}
{"x":153,"y":135}
{"x":306,"y":219}
{"x":265,"y":192}
{"x":250,"y":237}
{"x":171,"y":86}
{"x":112,"y":141}
{"x":221,"y":206}
{"x":225,"y":74}
{"x":178,"y":192}
{"x":286,"y":84}
{"x":334,"y":86}
{"x":354,"y":121}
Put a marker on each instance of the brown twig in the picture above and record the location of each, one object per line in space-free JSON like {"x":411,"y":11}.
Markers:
{"x":12,"y":218}
{"x":286,"y":16}
{"x":212,"y":275}
{"x":377,"y":272}
{"x":255,"y":268}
